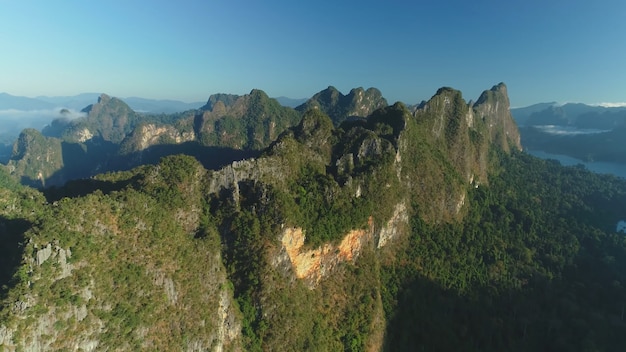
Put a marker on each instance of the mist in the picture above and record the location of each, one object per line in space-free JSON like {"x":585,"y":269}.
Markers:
{"x":13,"y":121}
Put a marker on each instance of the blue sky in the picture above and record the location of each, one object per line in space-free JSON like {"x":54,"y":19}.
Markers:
{"x":565,"y":51}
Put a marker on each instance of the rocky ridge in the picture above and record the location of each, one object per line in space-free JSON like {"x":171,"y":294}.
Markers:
{"x":357,"y":103}
{"x":182,"y":244}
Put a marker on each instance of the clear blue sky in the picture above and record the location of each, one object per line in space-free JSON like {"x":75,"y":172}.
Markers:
{"x":549,"y":50}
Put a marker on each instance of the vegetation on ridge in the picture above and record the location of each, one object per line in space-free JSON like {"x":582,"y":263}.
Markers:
{"x":488,"y":250}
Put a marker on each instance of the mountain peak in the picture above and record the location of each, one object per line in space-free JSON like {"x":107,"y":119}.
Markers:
{"x":103,"y":98}
{"x":226,"y":99}
{"x":358,"y":103}
{"x":494,"y":105}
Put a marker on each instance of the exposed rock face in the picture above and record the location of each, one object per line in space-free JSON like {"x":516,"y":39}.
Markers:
{"x":458,"y":137}
{"x":84,"y":135}
{"x":395,"y":226}
{"x":358,"y":103}
{"x":493,"y":108}
{"x":314,"y":264}
{"x":148,"y":135}
{"x":220,"y":101}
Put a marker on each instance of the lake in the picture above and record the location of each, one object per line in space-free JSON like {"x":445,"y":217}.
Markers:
{"x":599,"y":167}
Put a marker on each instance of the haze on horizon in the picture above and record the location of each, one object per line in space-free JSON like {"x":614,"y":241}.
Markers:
{"x":566,"y":51}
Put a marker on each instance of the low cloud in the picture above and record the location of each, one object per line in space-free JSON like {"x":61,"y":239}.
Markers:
{"x":50,"y":114}
{"x":611,"y":105}
{"x":12,"y":121}
{"x":567,"y":130}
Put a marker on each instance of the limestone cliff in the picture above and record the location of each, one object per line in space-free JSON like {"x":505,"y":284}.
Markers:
{"x":494,"y":109}
{"x":452,"y":140}
{"x":148,"y":135}
{"x":282,"y":251}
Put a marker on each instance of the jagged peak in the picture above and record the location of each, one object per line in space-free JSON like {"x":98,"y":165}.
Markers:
{"x":225,"y":98}
{"x":258,"y":94}
{"x":443,"y":98}
{"x":356,"y":90}
{"x":358,"y":103}
{"x":497,"y":91}
{"x":228,"y":100}
{"x":103,"y":98}
{"x":256,"y":91}
{"x":445,"y":90}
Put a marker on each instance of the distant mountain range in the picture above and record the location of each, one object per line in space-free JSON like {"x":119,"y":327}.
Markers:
{"x":19,"y":112}
{"x":78,"y":102}
{"x":138,"y":104}
{"x":110,"y":135}
{"x":224,"y":112}
{"x":585,"y":132}
{"x":570,"y":114}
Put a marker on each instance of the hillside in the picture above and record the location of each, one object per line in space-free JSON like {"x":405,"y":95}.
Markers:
{"x":424,"y":230}
{"x":113,"y":137}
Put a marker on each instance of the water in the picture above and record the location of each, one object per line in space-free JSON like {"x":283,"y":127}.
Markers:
{"x":567,"y":130}
{"x":599,"y":167}
{"x":621,"y":226}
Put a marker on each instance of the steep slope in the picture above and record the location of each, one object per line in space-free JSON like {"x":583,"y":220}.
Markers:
{"x":358,"y":103}
{"x":137,"y":268}
{"x":279,"y":252}
{"x":35,"y":159}
{"x":452,"y":144}
{"x":72,"y":148}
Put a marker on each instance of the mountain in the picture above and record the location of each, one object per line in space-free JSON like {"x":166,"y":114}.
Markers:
{"x":290,"y":102}
{"x":358,"y":103}
{"x":112,"y":137}
{"x":8,"y":102}
{"x":588,"y":133}
{"x":606,"y":146}
{"x":406,"y":230}
{"x":79,"y":101}
{"x":249,"y":122}
{"x":318,"y":243}
{"x":71,"y":148}
{"x":572,"y":114}
{"x":110,"y":119}
{"x":522,"y":114}
{"x":36,"y":158}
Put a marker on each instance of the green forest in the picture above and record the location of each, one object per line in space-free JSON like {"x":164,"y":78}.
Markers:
{"x":536,"y":265}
